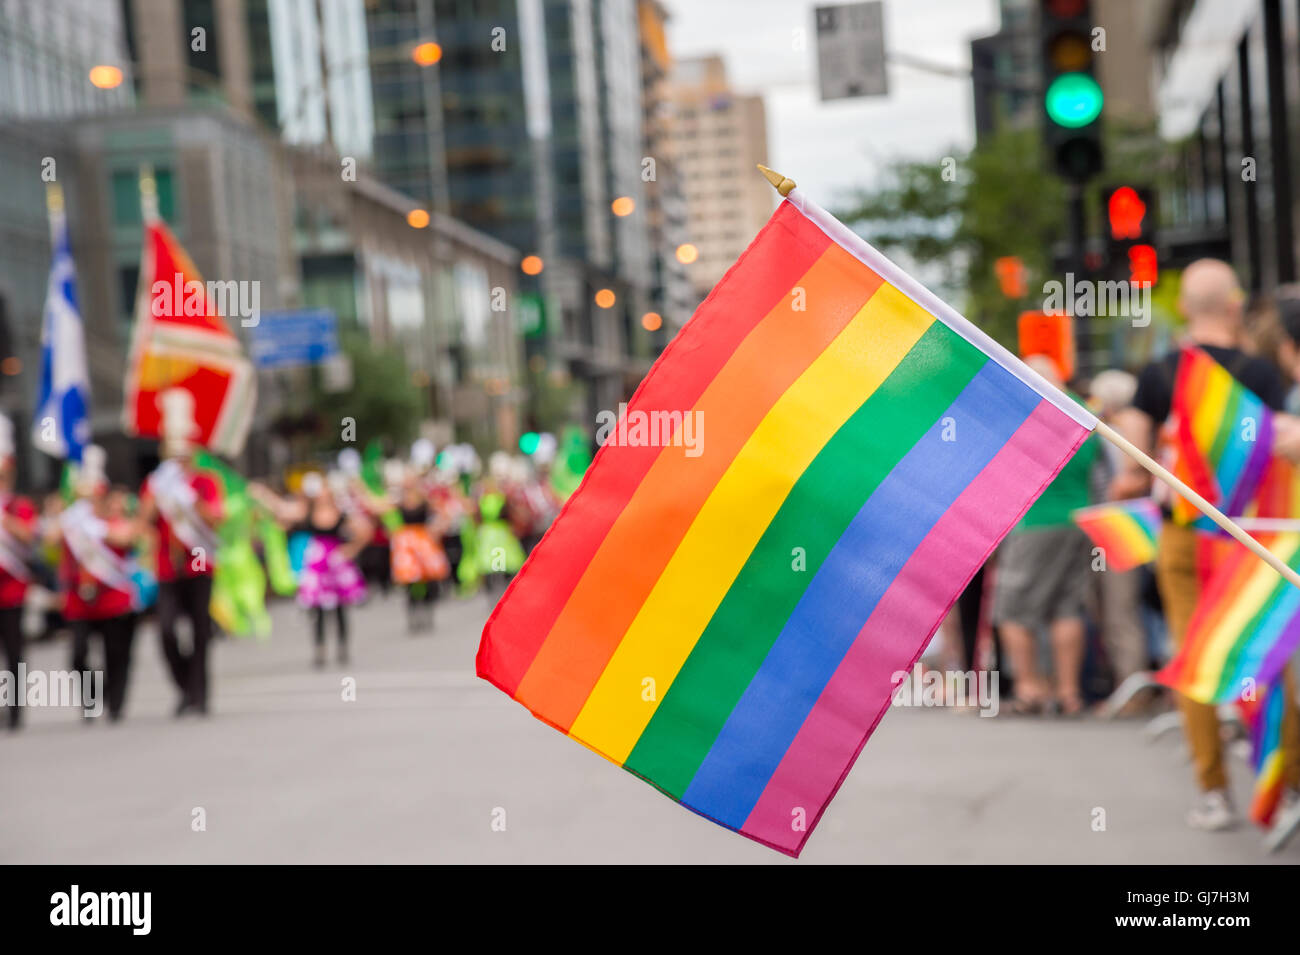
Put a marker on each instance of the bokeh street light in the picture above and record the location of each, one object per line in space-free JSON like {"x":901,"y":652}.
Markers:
{"x":427,"y":53}
{"x":105,"y":77}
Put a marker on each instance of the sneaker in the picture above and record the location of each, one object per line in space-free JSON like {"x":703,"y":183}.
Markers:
{"x":1286,"y":820}
{"x":1213,"y":812}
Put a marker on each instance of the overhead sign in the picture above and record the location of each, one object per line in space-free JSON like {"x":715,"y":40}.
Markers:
{"x":294,"y":337}
{"x":851,"y":50}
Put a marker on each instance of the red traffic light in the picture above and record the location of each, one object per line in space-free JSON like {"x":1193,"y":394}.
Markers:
{"x":1126,"y":213}
{"x":1143,"y":266}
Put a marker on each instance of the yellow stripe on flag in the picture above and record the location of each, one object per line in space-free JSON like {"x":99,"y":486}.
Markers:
{"x":736,"y":514}
{"x":1252,"y":596}
{"x":1209,"y":410}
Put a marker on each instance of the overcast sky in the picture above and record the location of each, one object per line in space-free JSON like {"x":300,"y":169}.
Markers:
{"x":831,"y":147}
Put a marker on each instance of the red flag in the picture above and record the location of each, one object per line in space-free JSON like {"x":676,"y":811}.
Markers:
{"x":181,"y":340}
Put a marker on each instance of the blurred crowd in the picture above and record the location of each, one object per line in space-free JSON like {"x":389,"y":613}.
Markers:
{"x":202,"y":550}
{"x":1047,"y":595}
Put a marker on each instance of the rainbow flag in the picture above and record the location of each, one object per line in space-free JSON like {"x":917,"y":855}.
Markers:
{"x":727,"y":616}
{"x":180,"y":340}
{"x":1126,"y":531}
{"x":1222,"y":434}
{"x":1263,"y":719}
{"x":1246,"y":625}
{"x":1278,"y":495}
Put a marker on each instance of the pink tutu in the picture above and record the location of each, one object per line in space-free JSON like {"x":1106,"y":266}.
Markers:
{"x":328,"y":578}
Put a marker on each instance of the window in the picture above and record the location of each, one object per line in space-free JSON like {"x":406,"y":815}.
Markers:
{"x":126,"y":197}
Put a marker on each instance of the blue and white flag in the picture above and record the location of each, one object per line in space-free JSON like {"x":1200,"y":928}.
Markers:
{"x":61,"y":427}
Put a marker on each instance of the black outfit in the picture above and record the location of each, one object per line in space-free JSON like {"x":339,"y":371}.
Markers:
{"x":189,"y":596}
{"x":11,"y":636}
{"x":1155,"y":387}
{"x":117,"y":634}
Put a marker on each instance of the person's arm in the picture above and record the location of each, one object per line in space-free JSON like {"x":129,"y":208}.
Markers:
{"x":207,"y":501}
{"x":120,"y":533}
{"x":146,"y":515}
{"x":284,"y":511}
{"x":360,"y":530}
{"x":1286,"y":436}
{"x":1132,"y":480}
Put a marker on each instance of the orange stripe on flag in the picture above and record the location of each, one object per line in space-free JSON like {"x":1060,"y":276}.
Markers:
{"x":639,"y":545}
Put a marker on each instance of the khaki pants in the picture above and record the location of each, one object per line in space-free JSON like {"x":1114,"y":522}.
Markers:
{"x":1179,"y":589}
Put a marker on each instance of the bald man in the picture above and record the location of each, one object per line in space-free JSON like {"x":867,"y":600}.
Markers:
{"x":1212,"y":301}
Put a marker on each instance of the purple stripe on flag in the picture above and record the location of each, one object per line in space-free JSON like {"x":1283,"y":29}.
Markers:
{"x":858,"y":694}
{"x":1260,"y":455}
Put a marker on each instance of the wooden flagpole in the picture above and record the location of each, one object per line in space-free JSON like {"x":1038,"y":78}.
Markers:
{"x":785,"y":186}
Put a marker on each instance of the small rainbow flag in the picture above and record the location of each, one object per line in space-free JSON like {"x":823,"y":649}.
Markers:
{"x":728,"y":619}
{"x":1223,"y":436}
{"x":1126,"y":531}
{"x":1246,"y":625}
{"x":1263,"y":719}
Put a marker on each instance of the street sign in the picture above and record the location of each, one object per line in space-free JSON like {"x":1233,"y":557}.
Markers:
{"x":294,"y":337}
{"x":851,"y":50}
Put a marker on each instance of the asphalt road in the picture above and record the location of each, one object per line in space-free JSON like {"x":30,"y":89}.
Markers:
{"x":430,"y":764}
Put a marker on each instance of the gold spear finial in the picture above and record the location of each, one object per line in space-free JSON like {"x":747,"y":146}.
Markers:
{"x":779,"y":182}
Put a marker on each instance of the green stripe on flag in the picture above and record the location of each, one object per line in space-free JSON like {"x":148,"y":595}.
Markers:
{"x":812,"y":518}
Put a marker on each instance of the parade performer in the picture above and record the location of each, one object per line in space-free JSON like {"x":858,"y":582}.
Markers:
{"x":17,"y":531}
{"x":499,"y":553}
{"x":329,"y":580}
{"x":419,"y":562}
{"x":100,"y":596}
{"x":182,"y":505}
{"x":238,"y":581}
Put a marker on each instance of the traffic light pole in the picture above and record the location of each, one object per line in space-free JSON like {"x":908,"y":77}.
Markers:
{"x":1078,"y":238}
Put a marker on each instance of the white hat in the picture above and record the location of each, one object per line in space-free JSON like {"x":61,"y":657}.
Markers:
{"x":423,"y":454}
{"x":6,"y":437}
{"x":312,"y":483}
{"x":394,"y":473}
{"x":91,"y":474}
{"x":350,"y":462}
{"x":178,"y":428}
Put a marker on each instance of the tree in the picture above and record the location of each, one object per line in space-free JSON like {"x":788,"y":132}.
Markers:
{"x":953,"y":217}
{"x":383,"y":401}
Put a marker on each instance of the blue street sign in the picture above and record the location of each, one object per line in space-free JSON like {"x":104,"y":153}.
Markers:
{"x":303,"y":336}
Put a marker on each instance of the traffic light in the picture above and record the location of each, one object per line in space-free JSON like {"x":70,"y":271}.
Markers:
{"x":1012,"y":276}
{"x":1130,"y":233}
{"x":1072,"y":97}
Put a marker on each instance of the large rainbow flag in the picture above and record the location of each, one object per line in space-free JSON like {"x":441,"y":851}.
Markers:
{"x":1126,"y":531}
{"x":1246,"y":626}
{"x":180,"y":340}
{"x":1223,"y":436}
{"x":728,"y":618}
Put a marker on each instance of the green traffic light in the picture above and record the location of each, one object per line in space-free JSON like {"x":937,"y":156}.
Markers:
{"x":1073,"y":100}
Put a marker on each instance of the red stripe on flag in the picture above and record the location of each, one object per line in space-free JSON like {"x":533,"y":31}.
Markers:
{"x":766,"y":273}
